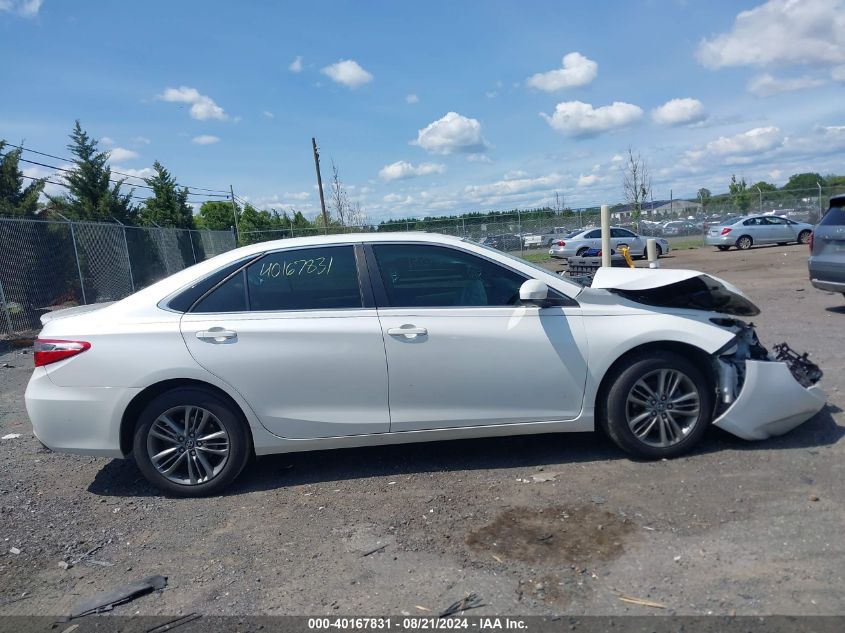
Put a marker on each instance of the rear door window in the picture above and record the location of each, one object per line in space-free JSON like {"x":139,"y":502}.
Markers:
{"x":324,"y":278}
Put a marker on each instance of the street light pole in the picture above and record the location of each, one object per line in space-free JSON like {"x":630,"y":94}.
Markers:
{"x":760,"y":191}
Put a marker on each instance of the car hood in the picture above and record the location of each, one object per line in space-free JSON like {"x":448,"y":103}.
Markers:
{"x":675,"y":288}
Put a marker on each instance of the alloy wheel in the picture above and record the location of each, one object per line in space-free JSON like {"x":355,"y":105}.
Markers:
{"x":663,"y":407}
{"x":188,"y":445}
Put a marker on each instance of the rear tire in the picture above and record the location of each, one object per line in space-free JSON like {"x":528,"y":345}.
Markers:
{"x":723,"y":248}
{"x":744,"y":243}
{"x":804,"y":236}
{"x":663,"y":424}
{"x":189,"y":442}
{"x":658,"y":250}
{"x":580,"y":252}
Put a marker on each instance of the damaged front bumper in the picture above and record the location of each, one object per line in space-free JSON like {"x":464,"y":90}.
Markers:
{"x":763,"y":395}
{"x":771,"y":402}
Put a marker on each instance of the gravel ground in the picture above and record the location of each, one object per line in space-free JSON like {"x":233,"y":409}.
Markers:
{"x":533,"y":525}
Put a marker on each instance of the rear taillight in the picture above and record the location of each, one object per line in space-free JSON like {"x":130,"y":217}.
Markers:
{"x":561,"y":243}
{"x":46,"y":351}
{"x":725,"y":231}
{"x":810,"y":241}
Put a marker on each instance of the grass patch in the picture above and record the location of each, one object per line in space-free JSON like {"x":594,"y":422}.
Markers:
{"x":681,"y":245}
{"x":537,"y":258}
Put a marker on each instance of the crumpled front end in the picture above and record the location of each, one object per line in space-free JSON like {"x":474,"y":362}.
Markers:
{"x":762,"y":395}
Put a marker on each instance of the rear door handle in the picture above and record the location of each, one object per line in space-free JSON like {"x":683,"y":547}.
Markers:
{"x":218,"y":335}
{"x":408,"y":331}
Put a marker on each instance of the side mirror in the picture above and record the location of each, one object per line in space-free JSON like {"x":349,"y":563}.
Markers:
{"x":533,"y":292}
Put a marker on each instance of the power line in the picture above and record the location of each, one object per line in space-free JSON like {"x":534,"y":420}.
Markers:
{"x":68,"y":160}
{"x":116,"y":182}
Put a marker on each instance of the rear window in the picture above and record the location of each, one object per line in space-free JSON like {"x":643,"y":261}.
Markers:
{"x":835,"y":216}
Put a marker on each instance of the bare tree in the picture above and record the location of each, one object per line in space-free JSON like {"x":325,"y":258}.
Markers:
{"x":560,"y":202}
{"x":636,"y":184}
{"x":338,"y":200}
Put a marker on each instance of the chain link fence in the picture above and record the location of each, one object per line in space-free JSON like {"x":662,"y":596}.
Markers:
{"x":684,"y":223}
{"x":48,"y":264}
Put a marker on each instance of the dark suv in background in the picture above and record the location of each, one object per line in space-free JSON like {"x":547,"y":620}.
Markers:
{"x":827,"y":249}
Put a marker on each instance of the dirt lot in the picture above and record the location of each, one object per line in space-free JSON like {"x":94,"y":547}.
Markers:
{"x":533,"y":525}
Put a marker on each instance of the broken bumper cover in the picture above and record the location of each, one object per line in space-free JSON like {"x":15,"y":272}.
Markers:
{"x":771,"y":402}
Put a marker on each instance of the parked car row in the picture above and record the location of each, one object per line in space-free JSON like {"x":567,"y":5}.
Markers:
{"x":747,"y":231}
{"x":579,"y":241}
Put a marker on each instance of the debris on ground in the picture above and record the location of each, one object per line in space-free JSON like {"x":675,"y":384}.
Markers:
{"x":641,"y":602}
{"x":14,"y":550}
{"x":470,"y":601}
{"x":172,"y":624}
{"x":374,"y":550}
{"x":108,"y":600}
{"x":541,"y":477}
{"x":63,"y":564}
{"x":11,"y":436}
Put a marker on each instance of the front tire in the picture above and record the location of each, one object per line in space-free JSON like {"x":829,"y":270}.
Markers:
{"x":658,"y":405}
{"x":189,"y":442}
{"x":804,"y":237}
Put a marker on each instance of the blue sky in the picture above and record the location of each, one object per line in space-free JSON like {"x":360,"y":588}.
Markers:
{"x":437,"y":107}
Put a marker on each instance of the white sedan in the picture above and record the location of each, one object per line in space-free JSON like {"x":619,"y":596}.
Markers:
{"x":356,"y":340}
{"x":580,"y":241}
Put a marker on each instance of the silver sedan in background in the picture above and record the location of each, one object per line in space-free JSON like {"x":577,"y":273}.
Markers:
{"x":578,"y":242}
{"x":747,"y":231}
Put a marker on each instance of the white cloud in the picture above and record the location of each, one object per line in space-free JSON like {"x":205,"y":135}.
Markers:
{"x":140,"y":140}
{"x":119,"y":154}
{"x":780,"y":31}
{"x":267,"y":114}
{"x":510,"y":186}
{"x":145,"y":172}
{"x":587,"y":180}
{"x":205,"y":139}
{"x":582,"y":119}
{"x":760,"y":139}
{"x":301,"y":195}
{"x":22,"y":8}
{"x":296,"y":65}
{"x":452,"y":134}
{"x":202,"y":106}
{"x":479,"y":158}
{"x":412,"y":98}
{"x":617,"y":158}
{"x":679,"y":112}
{"x":838,"y":73}
{"x":107,"y":141}
{"x":576,"y":70}
{"x":347,"y":72}
{"x":402,"y":169}
{"x":766,"y":85}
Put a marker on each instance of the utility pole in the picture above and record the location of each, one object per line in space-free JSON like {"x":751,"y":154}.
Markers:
{"x":234,"y":210}
{"x":760,"y":191}
{"x":320,"y":185}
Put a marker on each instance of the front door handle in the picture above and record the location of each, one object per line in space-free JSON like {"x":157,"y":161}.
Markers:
{"x":408,"y":331}
{"x":218,"y":335}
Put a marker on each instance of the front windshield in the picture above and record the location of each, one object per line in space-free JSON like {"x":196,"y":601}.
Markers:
{"x":527,"y":263}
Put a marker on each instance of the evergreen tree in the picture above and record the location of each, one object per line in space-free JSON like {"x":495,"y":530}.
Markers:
{"x":91,"y":193}
{"x":739,"y":194}
{"x":168,"y":205}
{"x":15,"y":198}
